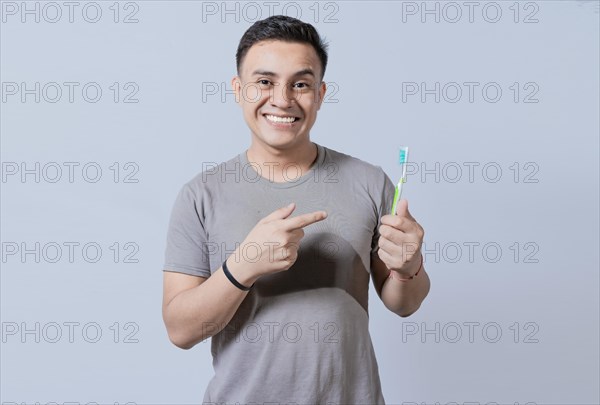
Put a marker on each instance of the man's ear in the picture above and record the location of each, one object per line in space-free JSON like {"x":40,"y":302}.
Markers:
{"x":322,"y":91}
{"x":236,"y":85}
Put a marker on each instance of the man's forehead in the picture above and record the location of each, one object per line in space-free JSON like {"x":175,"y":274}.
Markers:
{"x":279,"y":43}
{"x":281,"y":57}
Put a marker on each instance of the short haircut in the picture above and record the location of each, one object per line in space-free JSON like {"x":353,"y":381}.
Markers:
{"x":282,"y":28}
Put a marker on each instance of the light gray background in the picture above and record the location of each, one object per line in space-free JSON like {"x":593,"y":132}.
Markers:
{"x":170,"y":52}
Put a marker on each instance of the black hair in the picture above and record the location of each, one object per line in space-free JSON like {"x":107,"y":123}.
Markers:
{"x":282,"y":28}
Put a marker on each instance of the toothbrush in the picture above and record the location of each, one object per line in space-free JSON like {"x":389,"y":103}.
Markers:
{"x":398,"y":193}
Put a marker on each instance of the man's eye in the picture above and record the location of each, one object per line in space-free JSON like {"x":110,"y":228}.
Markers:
{"x":264,"y":82}
{"x":301,"y":85}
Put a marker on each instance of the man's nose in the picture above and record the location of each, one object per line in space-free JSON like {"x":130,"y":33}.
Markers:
{"x":282,"y":96}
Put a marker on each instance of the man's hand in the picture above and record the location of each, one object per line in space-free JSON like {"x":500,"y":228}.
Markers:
{"x":272,"y":245}
{"x":400,"y":241}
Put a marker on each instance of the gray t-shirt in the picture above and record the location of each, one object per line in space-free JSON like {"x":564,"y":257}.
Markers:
{"x":300,"y":336}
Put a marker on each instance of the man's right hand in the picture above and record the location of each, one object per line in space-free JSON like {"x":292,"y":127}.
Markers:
{"x":272,"y":245}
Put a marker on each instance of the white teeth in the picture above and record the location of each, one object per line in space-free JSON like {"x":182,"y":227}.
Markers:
{"x":274,"y":118}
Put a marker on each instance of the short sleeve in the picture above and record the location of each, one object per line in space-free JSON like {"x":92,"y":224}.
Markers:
{"x":186,"y":248}
{"x":384,"y":198}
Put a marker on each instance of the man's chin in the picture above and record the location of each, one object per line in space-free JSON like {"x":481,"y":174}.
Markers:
{"x":280,"y":139}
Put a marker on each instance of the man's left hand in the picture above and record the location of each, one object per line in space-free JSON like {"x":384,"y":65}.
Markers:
{"x":400,"y":241}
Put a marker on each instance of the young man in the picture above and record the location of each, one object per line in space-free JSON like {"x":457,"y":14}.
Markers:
{"x":271,"y":252}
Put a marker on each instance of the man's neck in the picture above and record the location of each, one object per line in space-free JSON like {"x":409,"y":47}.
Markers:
{"x":283,"y":165}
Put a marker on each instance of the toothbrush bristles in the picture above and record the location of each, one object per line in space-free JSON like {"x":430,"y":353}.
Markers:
{"x":403,"y":153}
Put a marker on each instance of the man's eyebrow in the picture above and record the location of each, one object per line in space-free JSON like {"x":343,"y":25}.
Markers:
{"x":305,"y":72}
{"x":302,"y":72}
{"x":263,"y":73}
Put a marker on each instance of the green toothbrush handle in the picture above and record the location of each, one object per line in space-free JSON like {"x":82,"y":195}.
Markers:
{"x":395,"y":203}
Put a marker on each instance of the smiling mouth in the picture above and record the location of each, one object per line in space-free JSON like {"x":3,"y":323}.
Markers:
{"x":277,"y":119}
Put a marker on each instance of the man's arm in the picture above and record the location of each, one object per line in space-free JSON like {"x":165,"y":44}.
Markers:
{"x":195,"y":308}
{"x":399,"y":254}
{"x":401,"y":297}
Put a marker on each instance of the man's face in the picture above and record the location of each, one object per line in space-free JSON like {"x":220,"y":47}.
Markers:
{"x":280,"y":91}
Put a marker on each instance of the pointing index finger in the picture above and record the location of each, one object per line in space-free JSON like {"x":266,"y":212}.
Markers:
{"x":304,"y":220}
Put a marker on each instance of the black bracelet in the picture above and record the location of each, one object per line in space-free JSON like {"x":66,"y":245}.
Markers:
{"x":233,"y":280}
